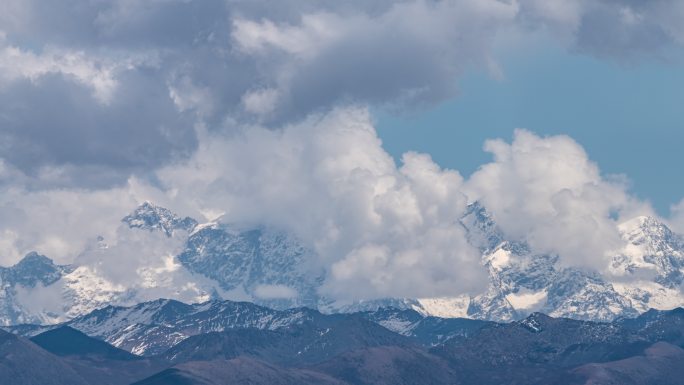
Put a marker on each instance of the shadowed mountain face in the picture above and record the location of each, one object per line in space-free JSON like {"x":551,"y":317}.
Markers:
{"x":24,"y":363}
{"x":94,"y":360}
{"x":151,"y":328}
{"x":390,"y":365}
{"x":540,"y":339}
{"x":539,"y":349}
{"x":296,"y":345}
{"x":357,"y":349}
{"x":657,"y":325}
{"x":660,"y":364}
{"x":65,"y":341}
{"x":237,"y":371}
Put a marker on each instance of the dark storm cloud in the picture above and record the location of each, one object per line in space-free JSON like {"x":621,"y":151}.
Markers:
{"x":56,"y":121}
{"x":104,"y":104}
{"x":52,"y":118}
{"x":170,"y":64}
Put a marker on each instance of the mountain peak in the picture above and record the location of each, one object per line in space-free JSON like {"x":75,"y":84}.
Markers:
{"x":67,"y":341}
{"x":482,"y":231}
{"x":34,"y":268}
{"x":639,"y":223}
{"x":535,"y":322}
{"x":152,"y":217}
{"x":33,"y":259}
{"x":638,"y":228}
{"x":653,"y":250}
{"x":651,"y":233}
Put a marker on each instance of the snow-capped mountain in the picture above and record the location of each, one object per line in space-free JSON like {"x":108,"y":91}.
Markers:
{"x":223,"y":339}
{"x":150,"y":217}
{"x":650,"y":269}
{"x":18,"y":282}
{"x":644,"y":275}
{"x":160,"y":255}
{"x":150,"y":328}
{"x":263,"y":265}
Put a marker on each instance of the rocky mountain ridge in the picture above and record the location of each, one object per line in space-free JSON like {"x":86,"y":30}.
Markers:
{"x":195,"y":262}
{"x":349,"y":349}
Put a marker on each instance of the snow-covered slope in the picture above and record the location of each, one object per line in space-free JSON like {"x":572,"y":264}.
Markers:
{"x":150,"y":217}
{"x":151,"y":328}
{"x":18,"y":285}
{"x":158,"y":254}
{"x":267,"y":266}
{"x":650,"y":269}
{"x":646,"y":274}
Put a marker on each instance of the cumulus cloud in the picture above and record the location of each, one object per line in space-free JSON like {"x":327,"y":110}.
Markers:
{"x":387,"y":229}
{"x":141,"y":266}
{"x":122,"y":84}
{"x":547,"y":191}
{"x":238,"y":107}
{"x":60,"y":223}
{"x":380,"y":229}
{"x":677,"y":218}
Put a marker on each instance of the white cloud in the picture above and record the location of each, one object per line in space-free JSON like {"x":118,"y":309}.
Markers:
{"x":547,"y":191}
{"x":41,"y":300}
{"x":99,"y":75}
{"x":142,"y":264}
{"x":304,"y":40}
{"x":260,"y":102}
{"x":60,"y":223}
{"x":677,"y":218}
{"x":381,"y":229}
{"x":187,"y":96}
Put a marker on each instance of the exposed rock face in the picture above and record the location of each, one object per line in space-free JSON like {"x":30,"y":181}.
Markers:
{"x":269,"y":267}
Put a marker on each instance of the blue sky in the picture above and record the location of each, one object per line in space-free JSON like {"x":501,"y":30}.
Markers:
{"x":628,"y":116}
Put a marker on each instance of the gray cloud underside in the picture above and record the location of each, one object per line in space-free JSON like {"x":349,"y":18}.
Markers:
{"x":259,"y":110}
{"x":118,"y":86}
